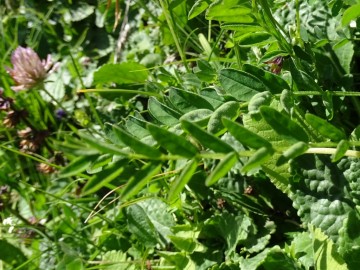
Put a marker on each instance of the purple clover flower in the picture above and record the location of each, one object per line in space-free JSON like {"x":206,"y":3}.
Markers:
{"x":28,"y":69}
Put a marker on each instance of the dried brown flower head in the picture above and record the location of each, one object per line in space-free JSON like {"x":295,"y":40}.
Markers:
{"x":13,"y":118}
{"x":28,"y":69}
{"x":45,"y":168}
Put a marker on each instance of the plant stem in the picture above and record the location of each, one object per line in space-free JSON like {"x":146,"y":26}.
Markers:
{"x":170,"y":22}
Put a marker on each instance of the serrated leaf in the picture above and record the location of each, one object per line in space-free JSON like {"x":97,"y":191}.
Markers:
{"x":325,"y":128}
{"x":138,"y":146}
{"x":257,"y":159}
{"x":206,"y":139}
{"x":293,"y":151}
{"x":140,"y":179}
{"x":245,"y":136}
{"x":175,"y":144}
{"x":222,"y":168}
{"x":274,"y":83}
{"x":123,"y":73}
{"x":283,"y":124}
{"x":229,"y":110}
{"x":180,"y":182}
{"x":163,"y":113}
{"x":241,"y":85}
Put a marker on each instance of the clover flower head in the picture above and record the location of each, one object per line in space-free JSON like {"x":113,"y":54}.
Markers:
{"x":28,"y":69}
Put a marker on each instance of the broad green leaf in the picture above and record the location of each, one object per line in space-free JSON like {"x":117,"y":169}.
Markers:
{"x":175,"y":144}
{"x":211,"y":95}
{"x":258,"y":100}
{"x":140,"y":180}
{"x":179,"y":183}
{"x":140,"y":225}
{"x":241,"y":85}
{"x":230,"y":11}
{"x":325,"y":128}
{"x":254,"y":39}
{"x":222,"y":168}
{"x":245,"y":136}
{"x":287,"y":100}
{"x":229,"y":110}
{"x":178,"y":259}
{"x":199,"y":7}
{"x":101,"y":179}
{"x":186,"y":101}
{"x":341,"y":149}
{"x":200,"y":117}
{"x":159,"y":215}
{"x":78,"y":165}
{"x":123,"y":73}
{"x":274,"y":83}
{"x":138,"y":146}
{"x":257,"y":159}
{"x":11,"y":254}
{"x":162,"y":113}
{"x":350,"y":14}
{"x":206,"y":139}
{"x":137,"y":127}
{"x":293,"y":151}
{"x":183,"y":244}
{"x":283,"y":124}
{"x":325,"y":253}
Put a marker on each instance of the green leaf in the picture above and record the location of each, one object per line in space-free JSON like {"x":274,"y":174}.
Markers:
{"x":268,"y":56}
{"x":11,"y":254}
{"x":292,"y":152}
{"x":107,"y":175}
{"x":254,"y":39}
{"x":137,"y":127}
{"x":258,"y":100}
{"x":78,"y":165}
{"x":302,"y":80}
{"x":341,"y":149}
{"x":175,"y":144}
{"x":140,"y":225}
{"x":242,"y":28}
{"x":274,"y":83}
{"x":326,"y":256}
{"x":200,"y":117}
{"x":222,"y":168}
{"x":199,"y":7}
{"x":283,"y":124}
{"x":180,"y":181}
{"x":163,"y":113}
{"x":350,"y":14}
{"x":206,"y":139}
{"x":186,"y":101}
{"x":140,"y":179}
{"x":257,"y":159}
{"x":229,"y":110}
{"x":138,"y":146}
{"x":241,"y":85}
{"x":101,"y":146}
{"x":230,"y":11}
{"x":245,"y":136}
{"x":123,"y":73}
{"x":325,"y":128}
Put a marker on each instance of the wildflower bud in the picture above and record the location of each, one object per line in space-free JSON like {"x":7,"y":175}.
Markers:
{"x":45,"y":168}
{"x":13,"y":118}
{"x":25,"y":133}
{"x":28,"y":69}
{"x":60,"y":114}
{"x":276,"y":64}
{"x":5,"y":102}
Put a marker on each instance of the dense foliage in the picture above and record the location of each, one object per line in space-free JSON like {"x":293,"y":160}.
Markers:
{"x":207,"y":134}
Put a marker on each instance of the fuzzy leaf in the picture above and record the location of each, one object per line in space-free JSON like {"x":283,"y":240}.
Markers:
{"x":229,"y":110}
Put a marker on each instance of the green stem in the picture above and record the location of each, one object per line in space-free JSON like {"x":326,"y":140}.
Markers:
{"x":170,"y":22}
{"x":333,"y":93}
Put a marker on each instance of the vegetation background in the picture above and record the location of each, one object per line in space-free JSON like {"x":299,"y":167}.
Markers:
{"x":174,"y":134}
